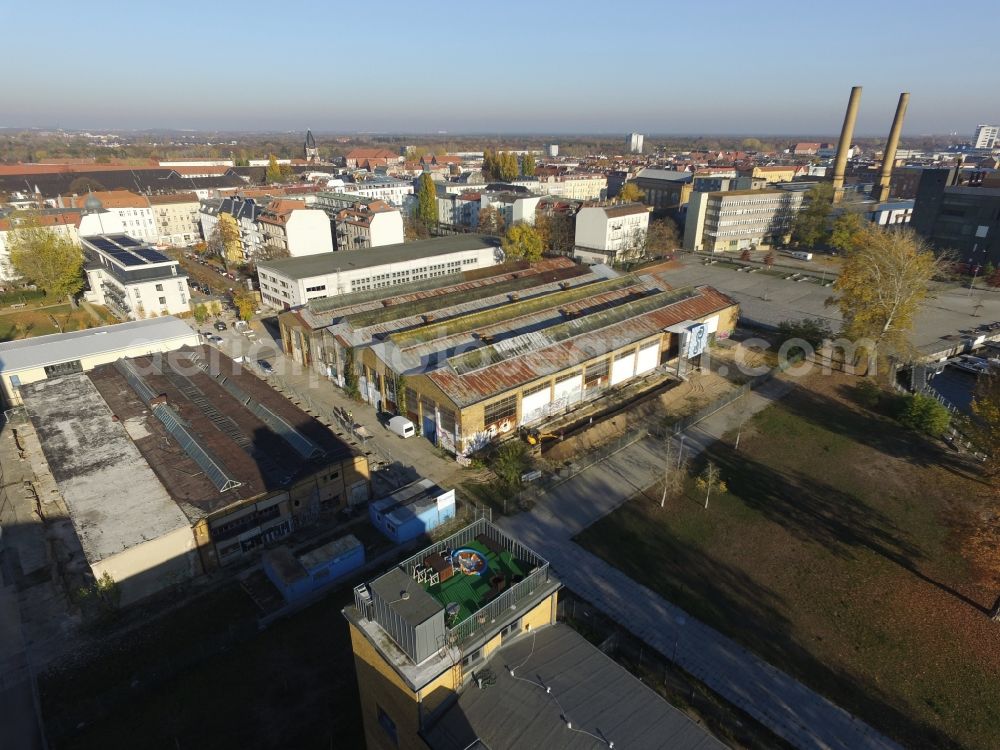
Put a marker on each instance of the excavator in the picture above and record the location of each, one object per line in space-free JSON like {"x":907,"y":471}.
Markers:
{"x":532,"y":436}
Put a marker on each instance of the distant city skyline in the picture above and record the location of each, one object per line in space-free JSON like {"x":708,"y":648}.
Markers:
{"x":528,"y":69}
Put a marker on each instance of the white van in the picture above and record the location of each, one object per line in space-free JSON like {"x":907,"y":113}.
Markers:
{"x":402,"y":427}
{"x":802,"y":255}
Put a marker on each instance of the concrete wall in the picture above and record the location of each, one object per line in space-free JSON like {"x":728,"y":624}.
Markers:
{"x":150,"y":567}
{"x":308,"y":232}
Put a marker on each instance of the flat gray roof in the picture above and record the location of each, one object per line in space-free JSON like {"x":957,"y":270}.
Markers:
{"x":115,"y":500}
{"x":588,"y":689}
{"x":407,"y":598}
{"x":671,"y":175}
{"x":63,"y":347}
{"x":309,"y":266}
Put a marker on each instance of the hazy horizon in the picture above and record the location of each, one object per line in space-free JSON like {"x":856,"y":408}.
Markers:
{"x":565,"y":69}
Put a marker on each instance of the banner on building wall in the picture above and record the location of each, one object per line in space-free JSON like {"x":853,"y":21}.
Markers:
{"x":697,"y":340}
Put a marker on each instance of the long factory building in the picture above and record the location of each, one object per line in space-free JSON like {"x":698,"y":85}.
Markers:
{"x":478,"y":354}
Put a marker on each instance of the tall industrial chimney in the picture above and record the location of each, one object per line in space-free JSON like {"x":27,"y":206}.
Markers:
{"x":881,"y":191}
{"x":844,"y":144}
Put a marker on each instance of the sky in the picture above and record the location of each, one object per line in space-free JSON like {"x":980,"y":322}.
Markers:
{"x":547,"y":67}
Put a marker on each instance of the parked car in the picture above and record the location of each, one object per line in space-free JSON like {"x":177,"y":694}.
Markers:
{"x":265,"y":367}
{"x":215,"y":339}
{"x":220,"y":325}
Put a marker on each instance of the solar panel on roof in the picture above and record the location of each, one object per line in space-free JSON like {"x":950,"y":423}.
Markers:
{"x":127,"y":259}
{"x":125,"y":241}
{"x":153,"y":256}
{"x":102,"y":244}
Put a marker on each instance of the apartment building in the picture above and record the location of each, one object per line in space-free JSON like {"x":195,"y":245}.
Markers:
{"x":371,"y":224}
{"x":245,"y":212}
{"x":133,"y":280}
{"x":986,"y":136}
{"x":289,"y":229}
{"x":604,"y":233}
{"x":666,"y":191}
{"x":731,"y":221}
{"x":178,"y":222}
{"x":391,"y":191}
{"x":132,"y":209}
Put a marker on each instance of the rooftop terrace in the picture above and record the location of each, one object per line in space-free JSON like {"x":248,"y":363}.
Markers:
{"x":408,"y":618}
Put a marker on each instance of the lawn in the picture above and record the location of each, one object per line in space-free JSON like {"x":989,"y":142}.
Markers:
{"x":21,"y":324}
{"x":849,"y":553}
{"x":205,"y":677}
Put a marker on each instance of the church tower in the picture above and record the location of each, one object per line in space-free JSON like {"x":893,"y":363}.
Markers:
{"x":312,"y":153}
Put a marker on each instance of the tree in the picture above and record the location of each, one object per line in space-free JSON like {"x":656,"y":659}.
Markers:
{"x":751,"y":144}
{"x":427,"y":210}
{"x":746,"y":254}
{"x":528,"y":165}
{"x":662,"y":237}
{"x":200,"y":313}
{"x":846,"y":231}
{"x":883,"y":279}
{"x":273,"y":171}
{"x":984,"y":426}
{"x":633,"y":248}
{"x":489,"y":164}
{"x":506,"y":166}
{"x":557,"y":232}
{"x":49,"y":260}
{"x":522,"y":242}
{"x":630,"y":193}
{"x":811,"y":226}
{"x":711,"y":481}
{"x":675,"y":469}
{"x":245,"y":303}
{"x":490,"y":220}
{"x":224,"y":239}
{"x":82,"y":185}
{"x":351,"y":383}
{"x":924,"y":413}
{"x":811,"y":330}
{"x":769,"y":260}
{"x":509,"y":463}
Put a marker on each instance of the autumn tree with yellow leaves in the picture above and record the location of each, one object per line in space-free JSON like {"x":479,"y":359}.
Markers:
{"x":884,"y":279}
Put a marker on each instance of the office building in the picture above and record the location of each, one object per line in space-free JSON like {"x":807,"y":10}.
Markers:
{"x":738,"y":219}
{"x":986,"y":136}
{"x":294,"y":281}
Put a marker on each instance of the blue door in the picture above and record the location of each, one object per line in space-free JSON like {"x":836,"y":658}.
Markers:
{"x":428,"y":428}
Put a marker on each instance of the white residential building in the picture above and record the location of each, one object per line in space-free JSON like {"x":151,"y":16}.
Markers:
{"x":244,"y":211}
{"x":132,"y":209}
{"x":292,"y":282}
{"x":63,"y":223}
{"x":986,"y":136}
{"x":605,"y":232}
{"x":288,"y":229}
{"x":732,"y":221}
{"x":393,"y":192}
{"x":133,"y":280}
{"x":578,"y":187}
{"x":177,"y":218}
{"x":515,"y":209}
{"x":634,"y":142}
{"x":458,"y":210}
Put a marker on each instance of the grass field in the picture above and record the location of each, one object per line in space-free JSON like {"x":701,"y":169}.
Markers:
{"x":849,"y":553}
{"x":20,"y":324}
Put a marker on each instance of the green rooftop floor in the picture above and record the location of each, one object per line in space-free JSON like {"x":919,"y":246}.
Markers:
{"x":472,"y":592}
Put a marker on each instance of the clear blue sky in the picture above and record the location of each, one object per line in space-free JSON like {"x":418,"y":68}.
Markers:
{"x":561,"y":67}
